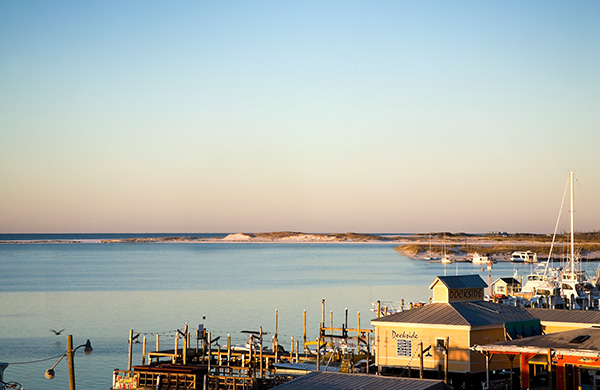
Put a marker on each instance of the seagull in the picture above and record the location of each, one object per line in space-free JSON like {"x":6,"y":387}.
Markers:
{"x":56,"y":332}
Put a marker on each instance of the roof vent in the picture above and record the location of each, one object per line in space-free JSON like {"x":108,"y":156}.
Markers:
{"x":579,"y":339}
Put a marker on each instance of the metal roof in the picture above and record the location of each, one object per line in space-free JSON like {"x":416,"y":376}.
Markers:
{"x":477,"y":313}
{"x":591,"y":317}
{"x":510,"y":281}
{"x":323,"y":380}
{"x":460,"y":281}
{"x":575,"y":342}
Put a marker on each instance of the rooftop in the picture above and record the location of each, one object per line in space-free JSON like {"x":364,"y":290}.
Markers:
{"x":460,"y":281}
{"x":473,"y":313}
{"x":584,"y":341}
{"x":324,"y":380}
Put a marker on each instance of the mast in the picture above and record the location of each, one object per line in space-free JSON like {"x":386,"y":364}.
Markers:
{"x":571,"y":173}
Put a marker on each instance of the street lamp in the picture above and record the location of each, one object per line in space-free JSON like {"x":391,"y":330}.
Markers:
{"x":70,"y":358}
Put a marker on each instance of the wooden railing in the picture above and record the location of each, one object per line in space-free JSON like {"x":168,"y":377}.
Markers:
{"x":149,"y":380}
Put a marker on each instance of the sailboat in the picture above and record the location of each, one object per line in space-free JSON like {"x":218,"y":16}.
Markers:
{"x":430,"y":253}
{"x":574,"y":283}
{"x":445,"y":259}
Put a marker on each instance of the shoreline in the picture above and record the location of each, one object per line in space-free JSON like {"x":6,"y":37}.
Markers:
{"x":458,"y":247}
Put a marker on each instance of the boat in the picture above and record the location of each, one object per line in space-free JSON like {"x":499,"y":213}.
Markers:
{"x":387,"y":307}
{"x":558,"y":287}
{"x":523,"y":257}
{"x":430,"y":253}
{"x":576,"y":287}
{"x":477,"y":259}
{"x":445,"y":259}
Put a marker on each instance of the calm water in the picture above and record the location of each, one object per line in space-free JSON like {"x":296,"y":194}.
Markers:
{"x":100,"y":291}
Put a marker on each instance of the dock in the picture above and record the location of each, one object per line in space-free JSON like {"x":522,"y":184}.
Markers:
{"x":207,"y":365}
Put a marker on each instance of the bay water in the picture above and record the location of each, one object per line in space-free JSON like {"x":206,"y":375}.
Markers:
{"x":100,"y":291}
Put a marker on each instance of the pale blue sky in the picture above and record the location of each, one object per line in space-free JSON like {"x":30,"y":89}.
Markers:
{"x":319,"y":116}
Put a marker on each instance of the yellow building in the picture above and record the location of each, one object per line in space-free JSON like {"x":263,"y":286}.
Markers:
{"x":555,"y":320}
{"x":506,"y":286}
{"x":446,"y":329}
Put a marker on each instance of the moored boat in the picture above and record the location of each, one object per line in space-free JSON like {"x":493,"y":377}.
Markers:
{"x":523,"y":257}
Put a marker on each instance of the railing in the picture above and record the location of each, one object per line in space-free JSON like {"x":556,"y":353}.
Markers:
{"x":150,"y":380}
{"x":228,"y":382}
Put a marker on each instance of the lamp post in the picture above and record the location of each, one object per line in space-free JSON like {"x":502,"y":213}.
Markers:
{"x":70,"y":354}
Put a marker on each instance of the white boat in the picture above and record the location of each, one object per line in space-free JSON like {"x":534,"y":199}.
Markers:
{"x":445,"y":259}
{"x":542,"y":281}
{"x":477,"y":259}
{"x":575,"y":285}
{"x":387,"y":307}
{"x":523,"y":257}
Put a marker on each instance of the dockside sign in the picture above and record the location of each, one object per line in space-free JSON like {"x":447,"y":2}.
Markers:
{"x":404,"y":335}
{"x":466,"y":294}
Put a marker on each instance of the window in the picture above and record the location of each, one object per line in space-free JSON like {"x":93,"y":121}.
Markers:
{"x":440,"y":345}
{"x":404,"y":347}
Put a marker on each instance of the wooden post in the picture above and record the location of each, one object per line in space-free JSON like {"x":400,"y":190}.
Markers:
{"x":292,"y":350}
{"x":228,"y":349}
{"x":174,"y":358}
{"x":251,"y":358}
{"x":144,"y":351}
{"x":260,"y":354}
{"x":331,"y":322}
{"x":511,"y":358}
{"x":219,"y":362}
{"x":446,"y":360}
{"x":157,"y":345}
{"x":209,"y":350}
{"x":71,"y":360}
{"x":550,"y":368}
{"x":276,"y":321}
{"x":297,"y":348}
{"x":185,"y":343}
{"x":368,"y":350}
{"x":304,"y":344}
{"x":346,"y":318}
{"x":358,"y":331}
{"x":421,"y":361}
{"x":323,"y":312}
{"x":130,"y":349}
{"x":203,"y":343}
{"x":319,"y":353}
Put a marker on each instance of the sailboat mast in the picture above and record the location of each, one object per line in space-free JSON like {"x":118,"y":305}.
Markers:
{"x":571,"y":173}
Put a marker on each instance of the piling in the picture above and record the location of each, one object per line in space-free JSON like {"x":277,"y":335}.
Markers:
{"x":228,"y":348}
{"x":144,"y":351}
{"x":304,"y":345}
{"x":130,"y":349}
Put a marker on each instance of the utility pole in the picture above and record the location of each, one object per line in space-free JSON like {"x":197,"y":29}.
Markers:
{"x":70,"y":360}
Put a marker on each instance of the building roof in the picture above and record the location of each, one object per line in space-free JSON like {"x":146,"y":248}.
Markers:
{"x":589,"y":317}
{"x":509,"y":281}
{"x":324,"y":380}
{"x":585,"y":341}
{"x":460,"y":281}
{"x":478,"y":313}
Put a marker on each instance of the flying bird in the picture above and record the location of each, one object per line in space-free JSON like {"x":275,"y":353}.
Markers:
{"x":56,"y":332}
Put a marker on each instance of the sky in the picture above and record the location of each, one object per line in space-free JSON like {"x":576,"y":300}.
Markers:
{"x":314,"y":116}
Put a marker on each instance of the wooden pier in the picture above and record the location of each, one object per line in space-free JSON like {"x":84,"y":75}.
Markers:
{"x":208,"y":365}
